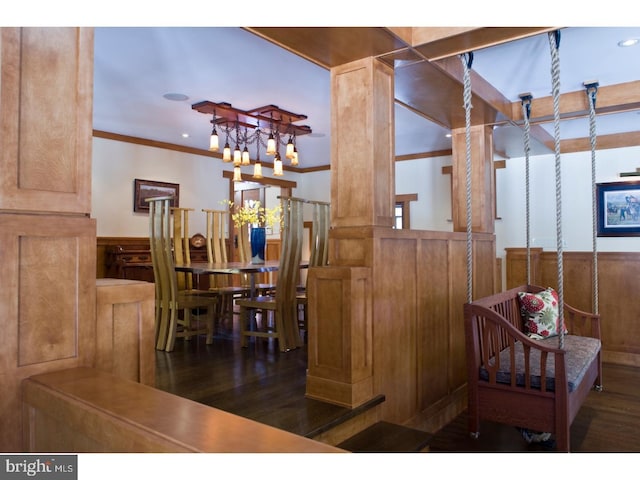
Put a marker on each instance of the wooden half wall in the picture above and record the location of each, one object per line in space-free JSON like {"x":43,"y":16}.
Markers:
{"x":618,"y":274}
{"x":411,"y":309}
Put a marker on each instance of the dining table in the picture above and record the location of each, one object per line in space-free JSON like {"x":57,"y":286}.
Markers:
{"x":229,"y":268}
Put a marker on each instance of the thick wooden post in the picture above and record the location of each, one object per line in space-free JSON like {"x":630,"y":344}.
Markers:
{"x":482,"y":180}
{"x":362,"y":201}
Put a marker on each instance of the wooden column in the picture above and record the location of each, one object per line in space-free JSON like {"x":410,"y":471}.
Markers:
{"x":482,"y":180}
{"x":362,"y":145}
{"x":47,"y":238}
{"x":362,"y":201}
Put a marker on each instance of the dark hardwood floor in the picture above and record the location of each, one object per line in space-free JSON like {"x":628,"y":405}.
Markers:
{"x":266,"y":385}
{"x":258,"y":382}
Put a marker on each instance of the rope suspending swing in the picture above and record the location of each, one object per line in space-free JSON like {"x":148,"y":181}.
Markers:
{"x":592,"y":90}
{"x":526,"y":114}
{"x":467,"y":61}
{"x":554,"y":44}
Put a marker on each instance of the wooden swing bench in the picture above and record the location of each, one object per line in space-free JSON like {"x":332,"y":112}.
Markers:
{"x":548,"y":384}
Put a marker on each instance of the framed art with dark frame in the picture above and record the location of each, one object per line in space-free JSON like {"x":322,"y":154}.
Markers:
{"x":150,"y":188}
{"x":618,"y":209}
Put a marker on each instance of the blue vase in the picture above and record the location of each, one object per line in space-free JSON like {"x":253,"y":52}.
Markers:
{"x":258,"y":244}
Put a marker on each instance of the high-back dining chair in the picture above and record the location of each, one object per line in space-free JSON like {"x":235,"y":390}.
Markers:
{"x":217,"y":253}
{"x":278,"y":318}
{"x":319,"y":250}
{"x":170,"y":300}
{"x":181,"y":251}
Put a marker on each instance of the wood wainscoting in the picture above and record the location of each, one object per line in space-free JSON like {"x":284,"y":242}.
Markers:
{"x":617,"y":276}
{"x":400,"y":332}
{"x":125,"y":257}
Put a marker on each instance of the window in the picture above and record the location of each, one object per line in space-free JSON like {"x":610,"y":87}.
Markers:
{"x":402,"y":211}
{"x":399,"y":211}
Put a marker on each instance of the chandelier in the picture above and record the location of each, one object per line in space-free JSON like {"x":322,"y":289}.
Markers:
{"x":269,"y":127}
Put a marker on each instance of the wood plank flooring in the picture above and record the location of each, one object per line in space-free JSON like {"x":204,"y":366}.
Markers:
{"x":268,"y":386}
{"x":259,"y":382}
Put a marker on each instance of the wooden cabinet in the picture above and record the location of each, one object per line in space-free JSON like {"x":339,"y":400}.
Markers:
{"x":131,"y":259}
{"x":47,"y":240}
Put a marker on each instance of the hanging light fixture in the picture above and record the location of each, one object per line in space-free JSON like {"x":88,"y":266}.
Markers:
{"x":246,"y":159}
{"x":237,"y":174}
{"x":290,"y":147}
{"x":277,"y":165}
{"x":214,"y":144}
{"x":237,"y":156}
{"x":257,"y":167}
{"x":226,"y":152}
{"x":245,"y":126}
{"x":271,"y":145}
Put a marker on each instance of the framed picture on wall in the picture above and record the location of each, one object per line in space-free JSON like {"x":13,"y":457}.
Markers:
{"x":618,"y":209}
{"x":150,"y":188}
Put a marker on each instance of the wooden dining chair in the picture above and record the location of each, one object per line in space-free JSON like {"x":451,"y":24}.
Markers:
{"x":277,"y":312}
{"x":181,"y":250}
{"x":178,"y":311}
{"x":222,"y":284}
{"x":318,"y":254}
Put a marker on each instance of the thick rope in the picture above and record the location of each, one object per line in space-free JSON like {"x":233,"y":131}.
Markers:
{"x":591,"y":94}
{"x":467,"y":108}
{"x":555,"y":77}
{"x":526,"y":105}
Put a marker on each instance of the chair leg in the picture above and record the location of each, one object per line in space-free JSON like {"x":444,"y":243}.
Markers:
{"x":163,"y":327}
{"x":187,"y":323}
{"x":244,"y":325}
{"x":211,"y":315}
{"x":173,"y":328}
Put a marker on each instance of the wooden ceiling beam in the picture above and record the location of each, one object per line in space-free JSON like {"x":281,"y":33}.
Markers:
{"x":445,"y":42}
{"x":618,"y":98}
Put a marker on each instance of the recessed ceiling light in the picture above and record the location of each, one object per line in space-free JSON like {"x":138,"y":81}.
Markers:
{"x":176,"y":97}
{"x":185,"y":135}
{"x":448,"y":135}
{"x":629,"y":42}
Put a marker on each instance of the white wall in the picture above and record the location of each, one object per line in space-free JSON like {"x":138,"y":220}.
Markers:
{"x":432,"y":210}
{"x":576,"y":200}
{"x":116,"y":164}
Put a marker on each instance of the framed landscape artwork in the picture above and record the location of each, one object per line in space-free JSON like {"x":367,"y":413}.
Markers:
{"x":618,"y":209}
{"x":150,"y":188}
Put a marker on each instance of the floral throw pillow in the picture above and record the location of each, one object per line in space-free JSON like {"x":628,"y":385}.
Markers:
{"x":540,"y":313}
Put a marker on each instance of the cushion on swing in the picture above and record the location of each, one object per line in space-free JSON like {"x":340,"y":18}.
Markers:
{"x":540,"y":313}
{"x":580,"y":353}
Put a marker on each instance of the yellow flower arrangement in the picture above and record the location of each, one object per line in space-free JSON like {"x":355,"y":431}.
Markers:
{"x":253,"y":213}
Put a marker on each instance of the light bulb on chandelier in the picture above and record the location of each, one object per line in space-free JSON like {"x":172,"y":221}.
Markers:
{"x":214,"y":144}
{"x":246,"y":159}
{"x":277,"y":166}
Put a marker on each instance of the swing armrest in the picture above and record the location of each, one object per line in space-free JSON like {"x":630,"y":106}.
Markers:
{"x":579,"y":322}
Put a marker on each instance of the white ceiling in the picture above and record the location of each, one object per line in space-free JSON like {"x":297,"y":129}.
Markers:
{"x":135,"y":67}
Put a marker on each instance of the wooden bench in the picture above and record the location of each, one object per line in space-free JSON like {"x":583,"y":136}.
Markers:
{"x":87,"y":410}
{"x":547,"y":386}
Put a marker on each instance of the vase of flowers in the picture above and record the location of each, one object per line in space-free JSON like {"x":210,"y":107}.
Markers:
{"x":258,"y":218}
